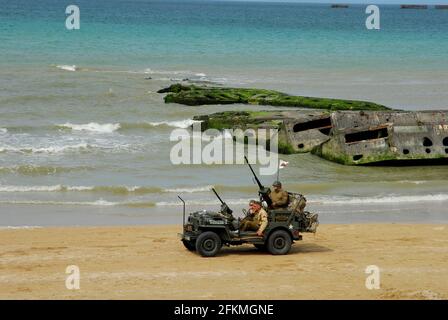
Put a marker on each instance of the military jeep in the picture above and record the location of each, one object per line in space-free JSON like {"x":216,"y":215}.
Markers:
{"x":206,"y":231}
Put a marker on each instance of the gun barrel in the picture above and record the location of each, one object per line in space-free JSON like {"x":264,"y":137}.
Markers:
{"x":217,"y":195}
{"x":223,"y":204}
{"x":264,"y":193}
{"x":253,"y":172}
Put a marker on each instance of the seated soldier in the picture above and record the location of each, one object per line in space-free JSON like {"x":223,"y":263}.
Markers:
{"x":259,"y":221}
{"x":278,"y":196}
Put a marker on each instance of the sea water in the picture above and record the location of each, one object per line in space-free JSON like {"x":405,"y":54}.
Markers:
{"x":84,"y":137}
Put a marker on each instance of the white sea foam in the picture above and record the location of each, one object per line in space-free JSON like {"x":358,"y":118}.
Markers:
{"x":30,"y":188}
{"x":203,"y":202}
{"x":19,"y":227}
{"x":183,"y":124}
{"x":190,"y":190}
{"x":67,"y":67}
{"x":75,"y":148}
{"x":53,"y":188}
{"x":412,"y":182}
{"x":3,"y":130}
{"x":99,"y":202}
{"x":171,"y":72}
{"x":112,"y":189}
{"x":333,"y":200}
{"x":92,"y":127}
{"x":53,"y":149}
{"x":380,"y":200}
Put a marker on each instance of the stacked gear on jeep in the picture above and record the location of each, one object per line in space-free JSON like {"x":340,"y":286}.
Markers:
{"x":297,"y":203}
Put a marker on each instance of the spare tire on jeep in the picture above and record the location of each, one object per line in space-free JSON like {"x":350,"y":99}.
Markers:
{"x":279,"y":242}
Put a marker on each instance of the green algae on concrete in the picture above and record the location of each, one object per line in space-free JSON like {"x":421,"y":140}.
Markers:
{"x":192,"y":95}
{"x":239,"y":120}
{"x":244,"y":120}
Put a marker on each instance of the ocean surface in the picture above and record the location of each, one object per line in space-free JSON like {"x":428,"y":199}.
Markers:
{"x":84,"y":137}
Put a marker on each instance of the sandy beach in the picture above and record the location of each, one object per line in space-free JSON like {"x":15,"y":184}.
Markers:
{"x":149,"y":262}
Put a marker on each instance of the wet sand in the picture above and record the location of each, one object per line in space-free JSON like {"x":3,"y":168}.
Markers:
{"x":150,"y":262}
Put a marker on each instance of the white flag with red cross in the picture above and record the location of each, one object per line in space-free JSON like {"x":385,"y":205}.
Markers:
{"x":282,"y":164}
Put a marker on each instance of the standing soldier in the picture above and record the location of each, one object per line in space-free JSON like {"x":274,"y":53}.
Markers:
{"x":260,"y":219}
{"x":278,"y":196}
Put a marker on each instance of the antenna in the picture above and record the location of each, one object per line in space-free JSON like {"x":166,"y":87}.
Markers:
{"x":183,"y":214}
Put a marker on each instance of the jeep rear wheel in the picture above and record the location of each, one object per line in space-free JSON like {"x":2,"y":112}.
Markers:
{"x":279,"y":242}
{"x":189,"y":245}
{"x":208,"y":244}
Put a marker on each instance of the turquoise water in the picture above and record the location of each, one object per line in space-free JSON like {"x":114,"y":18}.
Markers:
{"x":84,"y":137}
{"x":228,"y":34}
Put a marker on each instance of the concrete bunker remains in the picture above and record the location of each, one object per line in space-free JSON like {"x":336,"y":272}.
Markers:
{"x":323,"y":125}
{"x":371,"y":134}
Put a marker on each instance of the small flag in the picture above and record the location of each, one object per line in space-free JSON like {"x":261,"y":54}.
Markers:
{"x":283,"y":164}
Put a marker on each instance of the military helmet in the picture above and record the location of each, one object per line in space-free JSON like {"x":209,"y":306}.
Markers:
{"x":277,"y":184}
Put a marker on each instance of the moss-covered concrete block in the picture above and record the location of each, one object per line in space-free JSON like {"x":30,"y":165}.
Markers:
{"x":193,"y":95}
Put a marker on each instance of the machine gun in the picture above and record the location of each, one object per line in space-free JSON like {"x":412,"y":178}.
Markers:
{"x":262,"y":190}
{"x":224,"y":207}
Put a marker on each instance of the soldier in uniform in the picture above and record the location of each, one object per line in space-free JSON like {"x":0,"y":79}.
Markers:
{"x":259,"y":221}
{"x":278,"y":196}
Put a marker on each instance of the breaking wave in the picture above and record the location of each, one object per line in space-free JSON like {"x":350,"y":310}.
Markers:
{"x":55,"y":149}
{"x":413,"y":182}
{"x":67,"y":67}
{"x":75,"y":148}
{"x":92,"y":127}
{"x":118,"y":190}
{"x":95,"y":127}
{"x":207,"y":202}
{"x":19,"y":227}
{"x":328,"y":201}
{"x":183,"y":124}
{"x":174,"y":72}
{"x":380,"y":200}
{"x":190,"y":190}
{"x":100,"y":203}
{"x":40,"y":170}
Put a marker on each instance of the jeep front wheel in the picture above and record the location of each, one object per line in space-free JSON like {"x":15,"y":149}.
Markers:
{"x":279,"y":242}
{"x":189,"y":245}
{"x":208,"y":244}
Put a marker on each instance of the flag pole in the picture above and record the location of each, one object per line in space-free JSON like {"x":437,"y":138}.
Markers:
{"x":278,"y":169}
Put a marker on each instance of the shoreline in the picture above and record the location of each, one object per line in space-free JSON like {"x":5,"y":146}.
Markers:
{"x":149,"y":262}
{"x":178,"y":225}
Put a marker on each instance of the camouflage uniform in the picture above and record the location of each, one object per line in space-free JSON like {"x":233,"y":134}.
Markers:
{"x":258,"y":223}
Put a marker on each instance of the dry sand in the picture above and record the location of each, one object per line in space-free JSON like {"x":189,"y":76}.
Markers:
{"x":151,"y":263}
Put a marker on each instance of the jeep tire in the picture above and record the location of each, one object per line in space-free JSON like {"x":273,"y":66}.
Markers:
{"x":279,"y":242}
{"x":190,"y":245}
{"x":208,"y":244}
